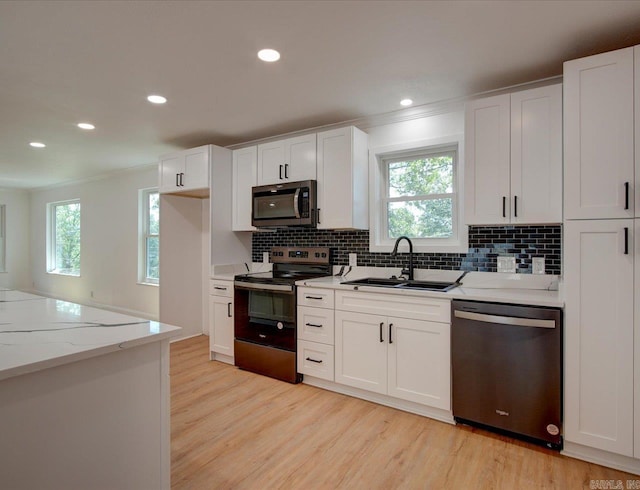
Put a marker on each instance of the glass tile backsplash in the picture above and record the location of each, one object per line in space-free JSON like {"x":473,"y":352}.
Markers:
{"x":486,"y":243}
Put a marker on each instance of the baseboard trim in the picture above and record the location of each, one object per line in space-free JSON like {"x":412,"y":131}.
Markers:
{"x":603,"y":458}
{"x":388,"y":401}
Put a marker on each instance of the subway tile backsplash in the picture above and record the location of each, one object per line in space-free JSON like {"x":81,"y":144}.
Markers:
{"x":486,"y":243}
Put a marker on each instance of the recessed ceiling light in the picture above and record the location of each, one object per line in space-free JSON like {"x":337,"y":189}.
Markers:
{"x":156,"y":99}
{"x":37,"y":144}
{"x":87,"y":126}
{"x":406,"y":102}
{"x":268,"y":55}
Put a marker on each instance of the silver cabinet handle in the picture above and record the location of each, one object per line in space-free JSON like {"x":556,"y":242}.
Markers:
{"x":505,"y":320}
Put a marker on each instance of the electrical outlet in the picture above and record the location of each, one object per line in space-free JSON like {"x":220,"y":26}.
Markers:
{"x":265,"y":257}
{"x":506,"y":264}
{"x":353,"y":260}
{"x":538,"y":265}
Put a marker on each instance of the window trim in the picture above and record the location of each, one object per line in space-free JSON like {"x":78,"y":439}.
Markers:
{"x":144,"y":235}
{"x":378,"y":178}
{"x":51,"y":266}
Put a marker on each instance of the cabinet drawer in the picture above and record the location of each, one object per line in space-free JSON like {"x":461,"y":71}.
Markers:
{"x":219,"y":287}
{"x":315,"y":359}
{"x":413,"y":307}
{"x":320,"y":298}
{"x":315,"y":324}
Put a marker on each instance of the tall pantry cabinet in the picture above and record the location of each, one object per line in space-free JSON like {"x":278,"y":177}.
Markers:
{"x":602,"y":258}
{"x":195,"y":233}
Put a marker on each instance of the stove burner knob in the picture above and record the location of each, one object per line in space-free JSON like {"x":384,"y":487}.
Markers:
{"x":280,"y":326}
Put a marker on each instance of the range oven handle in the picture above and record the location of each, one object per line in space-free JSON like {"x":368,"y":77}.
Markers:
{"x":285,"y":288}
{"x":505,"y":320}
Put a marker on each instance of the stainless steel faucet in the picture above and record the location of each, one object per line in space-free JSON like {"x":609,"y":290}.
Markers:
{"x":408,"y":272}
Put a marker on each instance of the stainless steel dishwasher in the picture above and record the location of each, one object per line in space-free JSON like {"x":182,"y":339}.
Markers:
{"x":507,"y":369}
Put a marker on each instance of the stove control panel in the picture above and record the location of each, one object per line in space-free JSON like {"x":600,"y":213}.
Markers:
{"x":301,"y":255}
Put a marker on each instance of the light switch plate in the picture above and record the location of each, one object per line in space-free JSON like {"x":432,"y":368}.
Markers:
{"x":353,"y":260}
{"x":265,"y":257}
{"x":538,"y":265}
{"x":506,"y":264}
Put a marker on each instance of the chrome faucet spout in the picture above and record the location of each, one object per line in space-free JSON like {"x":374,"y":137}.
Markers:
{"x":409,"y":272}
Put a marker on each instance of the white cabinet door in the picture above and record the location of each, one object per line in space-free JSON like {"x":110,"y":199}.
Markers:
{"x":361,"y":351}
{"x":287,"y":160}
{"x":221,"y":325}
{"x":300,"y":158}
{"x":599,"y":334}
{"x":636,"y":64}
{"x":196,"y":168}
{"x":598,"y":136}
{"x":419,"y":362}
{"x":170,"y":167}
{"x":487,"y":178}
{"x":536,"y":155}
{"x":245,"y":176}
{"x":636,"y":339}
{"x":271,"y":163}
{"x":343,"y":200}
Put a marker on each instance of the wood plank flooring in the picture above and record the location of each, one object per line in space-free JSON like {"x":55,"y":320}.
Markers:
{"x":231,"y":429}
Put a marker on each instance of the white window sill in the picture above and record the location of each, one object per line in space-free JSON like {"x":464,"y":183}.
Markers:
{"x":66,"y":274}
{"x":142,"y":283}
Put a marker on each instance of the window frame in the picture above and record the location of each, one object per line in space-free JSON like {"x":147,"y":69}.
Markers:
{"x":145,"y":235}
{"x":51,"y":265}
{"x":379,"y":160}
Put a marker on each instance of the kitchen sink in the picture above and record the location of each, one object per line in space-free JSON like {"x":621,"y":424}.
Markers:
{"x":403,"y":284}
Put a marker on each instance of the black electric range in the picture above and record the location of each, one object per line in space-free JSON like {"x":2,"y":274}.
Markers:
{"x":265,"y":311}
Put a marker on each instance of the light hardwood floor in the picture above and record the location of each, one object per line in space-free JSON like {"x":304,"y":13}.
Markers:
{"x":233,"y":429}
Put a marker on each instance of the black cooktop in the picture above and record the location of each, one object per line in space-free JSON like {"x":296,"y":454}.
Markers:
{"x":291,"y":264}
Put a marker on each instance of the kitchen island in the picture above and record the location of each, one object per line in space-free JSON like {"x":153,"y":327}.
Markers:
{"x":84,"y":396}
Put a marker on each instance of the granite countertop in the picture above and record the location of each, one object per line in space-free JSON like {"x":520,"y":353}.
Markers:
{"x":525,"y":289}
{"x":38,"y":333}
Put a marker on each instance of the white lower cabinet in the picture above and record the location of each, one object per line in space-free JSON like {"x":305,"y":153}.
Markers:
{"x":221,"y":321}
{"x":400,"y":357}
{"x":599,"y":334}
{"x":315,"y":332}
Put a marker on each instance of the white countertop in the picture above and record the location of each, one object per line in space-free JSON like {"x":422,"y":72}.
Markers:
{"x":525,"y":289}
{"x":38,"y":333}
{"x":227,"y":272}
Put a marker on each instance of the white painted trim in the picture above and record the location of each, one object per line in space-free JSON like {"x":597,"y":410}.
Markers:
{"x":388,"y":401}
{"x":604,"y":458}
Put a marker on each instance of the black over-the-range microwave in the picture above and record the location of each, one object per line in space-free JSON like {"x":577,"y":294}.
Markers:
{"x":286,"y":204}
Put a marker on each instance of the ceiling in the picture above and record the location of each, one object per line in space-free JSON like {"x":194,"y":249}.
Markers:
{"x":64,"y":62}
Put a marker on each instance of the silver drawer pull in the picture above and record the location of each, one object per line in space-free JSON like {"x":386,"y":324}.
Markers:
{"x":313,"y":360}
{"x":505,"y":320}
{"x":314,"y":297}
{"x":313,"y":325}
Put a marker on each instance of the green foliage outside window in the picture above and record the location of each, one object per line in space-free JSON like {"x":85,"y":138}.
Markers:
{"x":420,"y":196}
{"x":152,"y":237}
{"x":66,"y":224}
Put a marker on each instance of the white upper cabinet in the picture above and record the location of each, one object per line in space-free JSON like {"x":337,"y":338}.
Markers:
{"x":513,"y":170}
{"x":186,"y":172}
{"x":245,"y":176}
{"x":487,"y":133}
{"x":599,"y":136}
{"x":343,"y":198}
{"x":536,"y":155}
{"x":288,"y":160}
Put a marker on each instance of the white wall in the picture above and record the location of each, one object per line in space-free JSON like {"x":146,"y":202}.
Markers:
{"x":17,"y":274}
{"x":109,"y":243}
{"x":420,"y":129}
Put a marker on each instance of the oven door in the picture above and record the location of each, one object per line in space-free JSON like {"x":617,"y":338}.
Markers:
{"x":265,"y":314}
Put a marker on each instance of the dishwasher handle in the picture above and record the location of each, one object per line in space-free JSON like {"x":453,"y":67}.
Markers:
{"x":505,"y":320}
